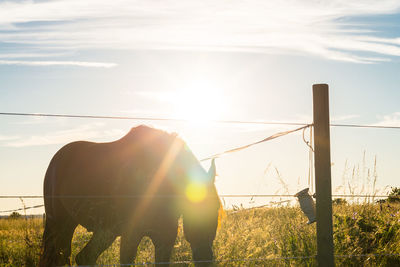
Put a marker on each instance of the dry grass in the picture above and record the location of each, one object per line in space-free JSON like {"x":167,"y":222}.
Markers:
{"x":266,"y":233}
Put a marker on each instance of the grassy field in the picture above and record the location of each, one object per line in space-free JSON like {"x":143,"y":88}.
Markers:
{"x":266,"y":233}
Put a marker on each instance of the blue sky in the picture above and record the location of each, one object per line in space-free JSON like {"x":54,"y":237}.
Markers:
{"x":233,"y":60}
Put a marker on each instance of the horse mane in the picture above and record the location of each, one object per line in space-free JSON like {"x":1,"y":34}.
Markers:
{"x":153,"y":143}
{"x":144,"y":134}
{"x":142,"y":131}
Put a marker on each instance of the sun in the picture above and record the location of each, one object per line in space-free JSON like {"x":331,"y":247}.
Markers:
{"x":199,"y":102}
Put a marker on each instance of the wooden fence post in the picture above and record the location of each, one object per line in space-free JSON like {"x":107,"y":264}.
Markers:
{"x":323,"y":187}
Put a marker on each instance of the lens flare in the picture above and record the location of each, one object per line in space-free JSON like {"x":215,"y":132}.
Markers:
{"x":196,"y":192}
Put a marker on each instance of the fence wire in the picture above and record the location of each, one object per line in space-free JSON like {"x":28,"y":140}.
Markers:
{"x":182,"y":196}
{"x":179,"y":196}
{"x":146,"y":118}
{"x":367,"y":255}
{"x":279,"y":134}
{"x":226,"y":261}
{"x":366,"y":126}
{"x":185,"y":120}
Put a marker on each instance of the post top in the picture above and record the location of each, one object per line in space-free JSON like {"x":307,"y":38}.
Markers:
{"x":320,"y":85}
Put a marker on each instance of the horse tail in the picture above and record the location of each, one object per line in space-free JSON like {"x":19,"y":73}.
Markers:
{"x":48,"y":255}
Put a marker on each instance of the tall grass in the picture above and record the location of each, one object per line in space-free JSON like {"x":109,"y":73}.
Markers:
{"x":360,"y":179}
{"x":366,"y":233}
{"x":20,"y":241}
{"x":266,"y":234}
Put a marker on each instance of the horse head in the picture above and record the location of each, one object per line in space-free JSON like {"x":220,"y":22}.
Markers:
{"x":201,"y":214}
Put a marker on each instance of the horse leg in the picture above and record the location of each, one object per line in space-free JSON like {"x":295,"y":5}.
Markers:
{"x":57,"y":238}
{"x":99,"y":242}
{"x":64,"y":239}
{"x":164,"y":244}
{"x":128,"y":249}
{"x":47,"y":257}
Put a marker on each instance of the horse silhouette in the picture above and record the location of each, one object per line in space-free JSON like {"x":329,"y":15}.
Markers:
{"x":136,"y":186}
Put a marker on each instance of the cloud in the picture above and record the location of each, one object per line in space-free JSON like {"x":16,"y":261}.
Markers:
{"x":299,"y":26}
{"x":390,"y":120}
{"x":160,"y":96}
{"x":58,"y":63}
{"x":334,"y":118}
{"x":344,"y":117}
{"x":40,"y":121}
{"x":30,"y":55}
{"x":8,"y":138}
{"x":84,"y":132}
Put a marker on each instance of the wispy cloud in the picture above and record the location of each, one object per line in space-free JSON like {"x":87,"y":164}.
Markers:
{"x":299,"y":26}
{"x":58,"y":63}
{"x":40,"y":121}
{"x":334,"y":118}
{"x":344,"y":117}
{"x":85,"y":132}
{"x":30,"y":55}
{"x":8,"y":137}
{"x":389,"y":120}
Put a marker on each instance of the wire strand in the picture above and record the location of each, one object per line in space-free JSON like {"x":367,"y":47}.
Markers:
{"x":366,"y":255}
{"x":208,"y":261}
{"x":365,"y":126}
{"x":169,"y":196}
{"x":138,"y":196}
{"x":146,"y":118}
{"x":225,"y":261}
{"x":280,"y":134}
{"x":181,"y":196}
{"x":24,"y":208}
{"x":185,"y":120}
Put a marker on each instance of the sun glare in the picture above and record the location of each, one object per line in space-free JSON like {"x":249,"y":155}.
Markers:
{"x":199,"y":102}
{"x":196,"y":192}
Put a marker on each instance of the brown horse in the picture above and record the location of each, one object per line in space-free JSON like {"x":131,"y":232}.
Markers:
{"x":136,"y":186}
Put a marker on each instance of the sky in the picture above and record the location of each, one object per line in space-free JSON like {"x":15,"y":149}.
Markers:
{"x":203,"y":61}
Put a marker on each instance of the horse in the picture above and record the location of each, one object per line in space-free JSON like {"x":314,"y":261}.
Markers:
{"x":139,"y":185}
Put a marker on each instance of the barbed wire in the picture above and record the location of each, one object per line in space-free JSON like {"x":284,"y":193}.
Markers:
{"x":280,"y":134}
{"x":182,"y":196}
{"x":24,"y":208}
{"x":178,"y":196}
{"x":146,"y":118}
{"x":157,"y":196}
{"x":264,"y":259}
{"x":366,"y":196}
{"x":366,"y":255}
{"x":140,"y":196}
{"x":304,"y":126}
{"x":225,"y":261}
{"x":208,"y":261}
{"x":186,"y":120}
{"x":249,"y":260}
{"x":366,"y":126}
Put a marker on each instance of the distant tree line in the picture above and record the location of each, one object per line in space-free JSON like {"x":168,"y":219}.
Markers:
{"x":393,"y":197}
{"x":14,"y":215}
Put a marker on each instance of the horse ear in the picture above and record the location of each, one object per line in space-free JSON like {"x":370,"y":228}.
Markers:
{"x":212,"y":172}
